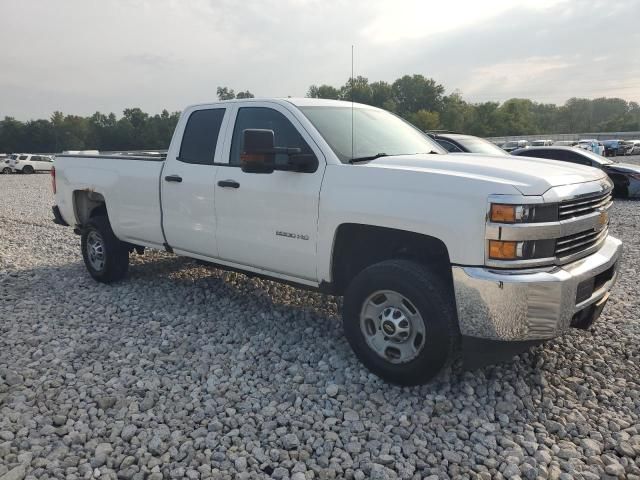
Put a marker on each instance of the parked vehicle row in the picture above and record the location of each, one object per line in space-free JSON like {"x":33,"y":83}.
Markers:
{"x":612,"y":147}
{"x":625,"y":176}
{"x":26,"y":163}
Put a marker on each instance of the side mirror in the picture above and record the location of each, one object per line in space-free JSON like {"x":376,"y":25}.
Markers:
{"x":305,"y":163}
{"x":258,"y":155}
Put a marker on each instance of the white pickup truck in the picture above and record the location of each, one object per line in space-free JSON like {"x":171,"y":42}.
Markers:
{"x":430,"y":250}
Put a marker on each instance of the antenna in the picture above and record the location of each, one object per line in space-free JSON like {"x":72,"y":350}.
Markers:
{"x":352,"y":101}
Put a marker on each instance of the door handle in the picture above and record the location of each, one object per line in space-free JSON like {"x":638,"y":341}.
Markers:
{"x":173,"y":178}
{"x":228,"y":184}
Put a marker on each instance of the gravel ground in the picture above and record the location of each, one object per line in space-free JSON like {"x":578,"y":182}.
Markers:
{"x":183,"y":371}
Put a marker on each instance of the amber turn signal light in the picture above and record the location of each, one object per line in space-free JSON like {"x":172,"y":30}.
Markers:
{"x":500,"y":250}
{"x":503,"y":213}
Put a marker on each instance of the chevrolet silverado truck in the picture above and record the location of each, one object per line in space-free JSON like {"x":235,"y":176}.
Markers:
{"x":428,"y":249}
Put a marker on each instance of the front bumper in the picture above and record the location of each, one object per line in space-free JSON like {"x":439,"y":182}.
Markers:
{"x":513,"y":305}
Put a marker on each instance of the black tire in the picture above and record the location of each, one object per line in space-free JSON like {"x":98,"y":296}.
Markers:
{"x":433,"y":299}
{"x":6,"y":170}
{"x":28,"y":169}
{"x":116,"y":254}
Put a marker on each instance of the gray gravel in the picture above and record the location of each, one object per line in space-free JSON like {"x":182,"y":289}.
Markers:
{"x":183,"y":371}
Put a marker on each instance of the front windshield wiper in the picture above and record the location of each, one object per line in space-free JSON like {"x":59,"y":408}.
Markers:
{"x":370,"y":157}
{"x":380,"y":155}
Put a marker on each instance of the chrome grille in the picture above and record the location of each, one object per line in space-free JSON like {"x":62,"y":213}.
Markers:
{"x":578,"y":207}
{"x":571,"y":246}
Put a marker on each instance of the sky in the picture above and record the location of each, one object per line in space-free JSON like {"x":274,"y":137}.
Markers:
{"x":83,"y":56}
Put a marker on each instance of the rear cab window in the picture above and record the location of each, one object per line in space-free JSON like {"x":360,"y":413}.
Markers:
{"x":200,"y":136}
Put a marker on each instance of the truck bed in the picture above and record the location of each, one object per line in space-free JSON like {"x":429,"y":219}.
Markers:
{"x":129,"y":183}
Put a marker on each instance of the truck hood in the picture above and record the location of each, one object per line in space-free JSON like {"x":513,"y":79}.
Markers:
{"x":530,"y":176}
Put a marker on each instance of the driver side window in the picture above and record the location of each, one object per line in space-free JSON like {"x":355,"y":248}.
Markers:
{"x":285,"y":134}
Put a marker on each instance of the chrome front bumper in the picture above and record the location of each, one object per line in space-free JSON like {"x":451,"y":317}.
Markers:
{"x":513,"y":305}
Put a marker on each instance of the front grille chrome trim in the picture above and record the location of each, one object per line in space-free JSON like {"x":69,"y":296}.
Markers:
{"x":581,"y":229}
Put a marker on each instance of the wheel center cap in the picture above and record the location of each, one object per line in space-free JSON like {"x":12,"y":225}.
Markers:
{"x":388,"y":327}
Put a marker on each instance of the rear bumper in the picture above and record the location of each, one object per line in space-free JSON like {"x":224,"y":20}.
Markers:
{"x":57,"y":217}
{"x":510,"y":305}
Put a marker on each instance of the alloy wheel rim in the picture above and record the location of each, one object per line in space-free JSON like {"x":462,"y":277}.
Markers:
{"x":392,"y":326}
{"x":96,"y":250}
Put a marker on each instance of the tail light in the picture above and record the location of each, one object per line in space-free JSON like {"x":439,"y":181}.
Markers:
{"x":53,"y":179}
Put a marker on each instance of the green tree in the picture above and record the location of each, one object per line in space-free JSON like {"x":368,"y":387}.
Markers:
{"x":245,"y":94}
{"x":425,"y":120}
{"x":225,"y":94}
{"x":382,"y":96}
{"x":415,"y":92}
{"x":456,"y":113}
{"x":356,"y":90}
{"x":323,"y":91}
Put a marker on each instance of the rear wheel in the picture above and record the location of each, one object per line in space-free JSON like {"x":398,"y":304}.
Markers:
{"x":27,"y":169}
{"x":6,"y":170}
{"x":400,"y":320}
{"x":106,"y":257}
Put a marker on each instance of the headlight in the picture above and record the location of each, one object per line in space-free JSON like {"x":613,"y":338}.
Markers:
{"x":507,"y":213}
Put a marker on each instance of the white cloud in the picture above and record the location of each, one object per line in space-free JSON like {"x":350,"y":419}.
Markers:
{"x":412,"y":19}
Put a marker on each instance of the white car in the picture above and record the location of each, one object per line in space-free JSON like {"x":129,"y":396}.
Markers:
{"x":428,"y":248}
{"x":28,"y":163}
{"x":4,"y":164}
{"x":541,"y":143}
{"x":635,"y":148}
{"x":591,"y":145}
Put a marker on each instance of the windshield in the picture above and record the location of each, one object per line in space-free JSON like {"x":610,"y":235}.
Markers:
{"x":480,"y":145}
{"x":374,"y":132}
{"x":596,"y":158}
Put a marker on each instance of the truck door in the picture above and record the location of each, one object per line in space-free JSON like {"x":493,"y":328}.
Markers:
{"x":269,"y":221}
{"x":188,"y":182}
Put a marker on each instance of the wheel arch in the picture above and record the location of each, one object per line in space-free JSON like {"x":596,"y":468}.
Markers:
{"x":356,"y":246}
{"x":88,"y":203}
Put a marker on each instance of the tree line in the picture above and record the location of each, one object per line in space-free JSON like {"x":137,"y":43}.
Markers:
{"x":424,"y":102}
{"x":420,"y":100}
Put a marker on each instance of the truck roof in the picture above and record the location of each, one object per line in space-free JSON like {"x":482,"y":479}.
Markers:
{"x":298,"y":101}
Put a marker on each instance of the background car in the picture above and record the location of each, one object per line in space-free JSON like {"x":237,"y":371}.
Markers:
{"x":613,"y":148}
{"x":28,"y":163}
{"x":592,"y":145}
{"x":457,"y":143}
{"x":541,"y":143}
{"x":565,"y":143}
{"x":634,"y":149}
{"x":515,"y":144}
{"x":625,"y":176}
{"x":4,"y":163}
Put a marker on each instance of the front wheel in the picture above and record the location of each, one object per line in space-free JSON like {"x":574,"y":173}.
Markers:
{"x":6,"y":170}
{"x":399,"y":318}
{"x":106,"y":257}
